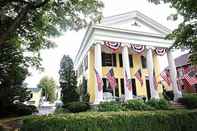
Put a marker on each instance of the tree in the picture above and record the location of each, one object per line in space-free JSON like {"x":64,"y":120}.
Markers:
{"x":13,"y":72}
{"x":67,"y":80}
{"x":48,"y":87}
{"x":29,"y":23}
{"x":185,"y":35}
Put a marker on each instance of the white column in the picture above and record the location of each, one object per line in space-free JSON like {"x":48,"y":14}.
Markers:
{"x":126,"y":67}
{"x":150,"y":66}
{"x":98,"y":67}
{"x":173,"y":75}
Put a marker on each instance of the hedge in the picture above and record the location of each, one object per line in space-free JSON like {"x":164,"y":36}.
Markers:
{"x":115,"y":121}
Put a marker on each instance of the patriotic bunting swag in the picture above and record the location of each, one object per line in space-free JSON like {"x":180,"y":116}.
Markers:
{"x":112,"y":45}
{"x":160,"y":51}
{"x":138,"y":48}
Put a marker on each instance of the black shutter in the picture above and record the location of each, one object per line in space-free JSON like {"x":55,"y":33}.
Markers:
{"x":122,"y":86}
{"x":143,"y":61}
{"x":131,"y":60}
{"x":120,"y":60}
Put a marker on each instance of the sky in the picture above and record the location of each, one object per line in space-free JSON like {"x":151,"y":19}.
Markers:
{"x":69,"y":42}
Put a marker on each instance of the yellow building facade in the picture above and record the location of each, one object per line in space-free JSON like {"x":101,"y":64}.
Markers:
{"x":125,"y":30}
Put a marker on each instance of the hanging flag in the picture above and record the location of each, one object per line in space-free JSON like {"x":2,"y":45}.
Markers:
{"x":111,"y":78}
{"x":99,"y":80}
{"x":138,"y":75}
{"x":191,"y":78}
{"x":112,"y":45}
{"x":166,"y":76}
{"x":128,"y":82}
{"x":138,"y":48}
{"x":155,"y":80}
{"x":160,"y":51}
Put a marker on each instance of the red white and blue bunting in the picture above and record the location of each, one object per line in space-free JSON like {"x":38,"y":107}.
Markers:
{"x":112,"y":45}
{"x":160,"y":51}
{"x":138,"y":48}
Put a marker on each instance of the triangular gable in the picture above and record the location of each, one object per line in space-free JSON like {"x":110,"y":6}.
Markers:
{"x":135,"y":21}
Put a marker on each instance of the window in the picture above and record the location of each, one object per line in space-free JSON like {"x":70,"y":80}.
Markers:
{"x":131,"y":60}
{"x":108,"y":59}
{"x":143,"y":61}
{"x":120,"y":60}
{"x":122,"y":86}
{"x":116,"y":89}
{"x":134,"y":87}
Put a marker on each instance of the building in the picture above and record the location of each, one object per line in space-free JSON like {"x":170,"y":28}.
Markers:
{"x":36,"y":97}
{"x":183,"y":67}
{"x":127,"y":43}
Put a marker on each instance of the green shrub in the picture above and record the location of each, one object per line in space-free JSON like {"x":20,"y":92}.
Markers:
{"x":75,"y":107}
{"x":189,"y":101}
{"x":159,"y":104}
{"x":114,"y":121}
{"x":86,"y":98}
{"x":137,"y":105}
{"x":110,"y":106}
{"x":18,"y":109}
{"x":61,"y":110}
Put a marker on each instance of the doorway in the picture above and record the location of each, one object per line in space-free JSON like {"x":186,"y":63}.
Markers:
{"x":148,"y":89}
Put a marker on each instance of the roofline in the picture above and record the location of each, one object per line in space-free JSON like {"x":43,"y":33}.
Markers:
{"x":158,"y":26}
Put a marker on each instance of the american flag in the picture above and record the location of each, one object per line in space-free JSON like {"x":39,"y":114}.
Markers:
{"x":112,"y":45}
{"x":111,"y":79}
{"x":138,"y":75}
{"x":128,"y":82}
{"x":166,"y":76}
{"x":191,"y":78}
{"x":99,"y":80}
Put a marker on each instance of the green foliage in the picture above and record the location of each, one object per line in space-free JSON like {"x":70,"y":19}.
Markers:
{"x":137,"y":105}
{"x":13,"y":71}
{"x":86,"y":98}
{"x":76,"y":107}
{"x":30,"y":23}
{"x":114,"y":121}
{"x":48,"y":86}
{"x":68,"y":81}
{"x":189,"y":101}
{"x":185,"y":34}
{"x":61,"y":110}
{"x":110,"y":106}
{"x":159,"y":104}
{"x":18,"y":110}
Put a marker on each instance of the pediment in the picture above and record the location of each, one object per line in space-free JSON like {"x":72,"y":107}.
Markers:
{"x":135,"y":21}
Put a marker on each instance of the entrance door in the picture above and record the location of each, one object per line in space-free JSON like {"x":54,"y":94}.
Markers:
{"x":148,"y":89}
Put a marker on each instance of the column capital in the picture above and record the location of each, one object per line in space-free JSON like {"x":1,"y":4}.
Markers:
{"x":150,"y":47}
{"x":125,"y":44}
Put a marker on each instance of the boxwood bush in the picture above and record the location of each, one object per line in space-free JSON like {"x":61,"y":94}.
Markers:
{"x":189,"y":101}
{"x":76,"y":107}
{"x":114,"y":121}
{"x":159,"y":104}
{"x":137,"y":105}
{"x":110,"y":106}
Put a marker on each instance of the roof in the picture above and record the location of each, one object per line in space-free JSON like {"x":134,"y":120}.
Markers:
{"x":120,"y":28}
{"x":182,"y":60}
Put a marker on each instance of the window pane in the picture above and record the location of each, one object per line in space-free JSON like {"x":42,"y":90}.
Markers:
{"x":131,"y":60}
{"x":122,"y":86}
{"x":107,"y":59}
{"x":134,"y":87}
{"x":116,"y":90}
{"x":120,"y":60}
{"x":143,"y":61}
